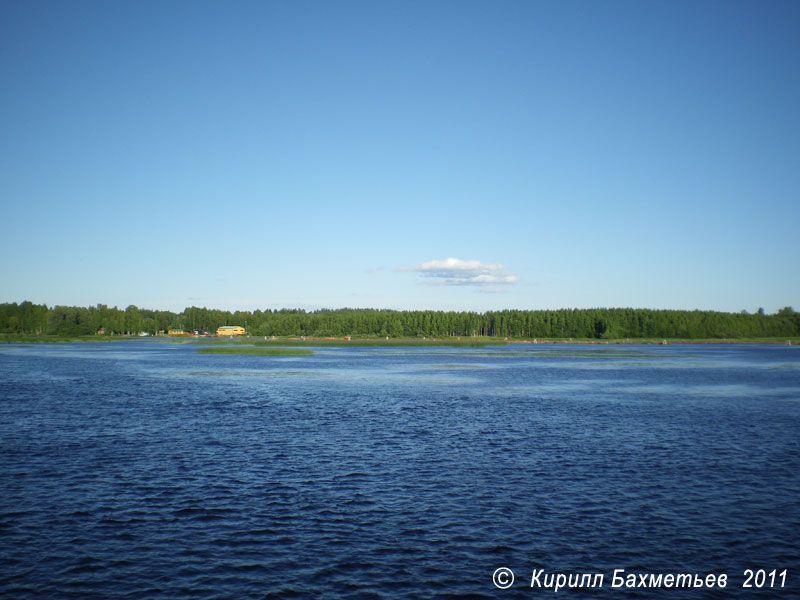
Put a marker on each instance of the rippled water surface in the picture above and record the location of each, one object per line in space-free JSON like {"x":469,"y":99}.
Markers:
{"x":143,"y":469}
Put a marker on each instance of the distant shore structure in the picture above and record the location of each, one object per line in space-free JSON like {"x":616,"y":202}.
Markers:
{"x":231,"y":330}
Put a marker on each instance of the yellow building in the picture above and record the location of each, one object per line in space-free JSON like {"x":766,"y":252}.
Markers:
{"x":231,"y":330}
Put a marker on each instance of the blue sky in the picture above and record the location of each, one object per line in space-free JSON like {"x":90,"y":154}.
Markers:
{"x":407,"y":155}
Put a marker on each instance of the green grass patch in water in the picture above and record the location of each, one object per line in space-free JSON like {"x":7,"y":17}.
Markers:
{"x":251,"y":351}
{"x":378,"y":343}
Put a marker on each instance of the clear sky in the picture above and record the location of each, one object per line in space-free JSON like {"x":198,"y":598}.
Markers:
{"x":408,"y":155}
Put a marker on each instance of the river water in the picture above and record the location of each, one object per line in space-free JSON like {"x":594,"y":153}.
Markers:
{"x":143,"y":469}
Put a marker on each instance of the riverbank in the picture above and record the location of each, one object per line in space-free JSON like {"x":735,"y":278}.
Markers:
{"x":470,"y":342}
{"x":778,"y":341}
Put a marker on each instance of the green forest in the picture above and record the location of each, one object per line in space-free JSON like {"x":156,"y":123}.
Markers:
{"x":27,"y":318}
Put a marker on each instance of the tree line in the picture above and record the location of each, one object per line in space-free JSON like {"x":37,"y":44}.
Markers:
{"x":595,"y":323}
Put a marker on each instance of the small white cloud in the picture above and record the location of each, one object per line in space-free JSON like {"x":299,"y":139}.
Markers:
{"x":454,"y":271}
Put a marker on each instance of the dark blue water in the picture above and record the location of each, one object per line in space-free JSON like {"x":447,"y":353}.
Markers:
{"x":146,"y":470}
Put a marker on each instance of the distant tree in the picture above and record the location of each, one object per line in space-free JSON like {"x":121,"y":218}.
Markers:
{"x":133,"y":320}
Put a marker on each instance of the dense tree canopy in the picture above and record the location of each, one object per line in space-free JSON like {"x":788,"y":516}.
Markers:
{"x":596,"y":323}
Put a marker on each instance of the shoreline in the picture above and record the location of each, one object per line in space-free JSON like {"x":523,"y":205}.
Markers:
{"x":665,"y":342}
{"x":380,"y":342}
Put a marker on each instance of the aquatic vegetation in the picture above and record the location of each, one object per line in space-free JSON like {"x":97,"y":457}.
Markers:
{"x":252,"y":351}
{"x":380,"y":343}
